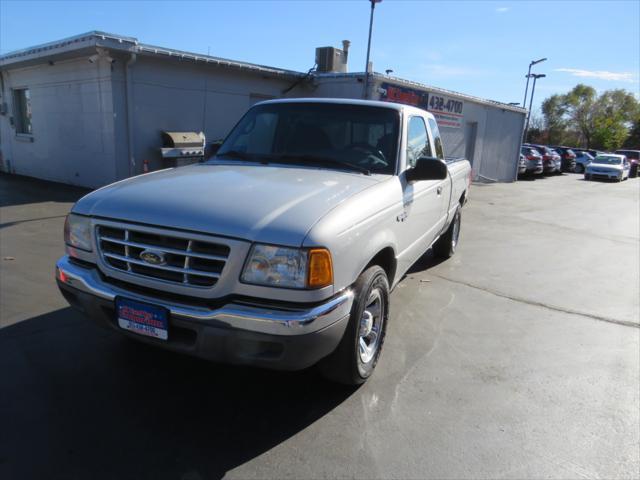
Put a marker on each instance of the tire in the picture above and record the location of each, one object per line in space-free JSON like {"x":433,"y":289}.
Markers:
{"x":350,"y":363}
{"x":579,"y":168}
{"x":587,"y":177}
{"x":446,"y":245}
{"x":633,"y":173}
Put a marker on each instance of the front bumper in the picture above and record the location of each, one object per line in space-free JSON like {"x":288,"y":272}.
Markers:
{"x":279,"y":338}
{"x":534,"y":167}
{"x":612,"y":175}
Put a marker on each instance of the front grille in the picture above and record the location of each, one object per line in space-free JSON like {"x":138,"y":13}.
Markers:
{"x":181,"y":260}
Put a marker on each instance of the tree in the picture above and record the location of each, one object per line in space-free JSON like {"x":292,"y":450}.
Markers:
{"x":609,"y":132}
{"x":613,"y":113}
{"x":581,"y":117}
{"x":536,"y":132}
{"x":633,"y":140}
{"x":554,"y":110}
{"x":579,"y":104}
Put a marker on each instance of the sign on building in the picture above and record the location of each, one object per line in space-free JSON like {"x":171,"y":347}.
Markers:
{"x":409,"y":96}
{"x":448,"y":112}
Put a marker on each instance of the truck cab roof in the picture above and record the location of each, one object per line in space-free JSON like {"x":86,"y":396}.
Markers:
{"x":349,"y":101}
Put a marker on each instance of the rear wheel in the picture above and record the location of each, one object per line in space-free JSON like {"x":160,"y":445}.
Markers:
{"x":446,"y":245}
{"x":355,"y":358}
{"x":633,"y":172}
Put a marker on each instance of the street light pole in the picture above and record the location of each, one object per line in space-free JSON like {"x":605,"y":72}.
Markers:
{"x":526,"y":89}
{"x":533,"y":91}
{"x":366,"y":69}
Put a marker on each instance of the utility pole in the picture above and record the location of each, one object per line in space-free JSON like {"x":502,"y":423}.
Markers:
{"x":366,"y":69}
{"x":526,"y":89}
{"x":533,"y":91}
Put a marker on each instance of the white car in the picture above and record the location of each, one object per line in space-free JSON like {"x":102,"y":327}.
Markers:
{"x":608,"y":167}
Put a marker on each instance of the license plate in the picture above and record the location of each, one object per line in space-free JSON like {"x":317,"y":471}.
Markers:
{"x":142,"y":318}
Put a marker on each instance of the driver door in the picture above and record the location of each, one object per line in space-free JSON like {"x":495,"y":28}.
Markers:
{"x":422,"y":200}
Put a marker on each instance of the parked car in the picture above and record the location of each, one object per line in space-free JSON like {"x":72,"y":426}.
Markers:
{"x":533,"y":158}
{"x":522,"y":165}
{"x":568,"y":158}
{"x":551,"y":161}
{"x":558,"y":160}
{"x":595,"y":153}
{"x":282,"y":249}
{"x":634,"y":160}
{"x":608,"y":167}
{"x":583,"y":158}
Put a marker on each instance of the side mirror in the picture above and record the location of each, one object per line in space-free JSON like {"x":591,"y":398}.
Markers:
{"x":427,"y":168}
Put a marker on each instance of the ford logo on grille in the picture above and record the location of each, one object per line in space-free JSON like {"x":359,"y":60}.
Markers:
{"x":153,"y":257}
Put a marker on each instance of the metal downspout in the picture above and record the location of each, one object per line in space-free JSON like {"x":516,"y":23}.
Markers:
{"x":129,"y":98}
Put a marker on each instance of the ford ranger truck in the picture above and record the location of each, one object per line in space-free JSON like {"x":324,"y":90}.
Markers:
{"x":279,"y":251}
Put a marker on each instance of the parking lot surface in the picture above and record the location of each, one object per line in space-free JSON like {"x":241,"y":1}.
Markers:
{"x":517,"y":358}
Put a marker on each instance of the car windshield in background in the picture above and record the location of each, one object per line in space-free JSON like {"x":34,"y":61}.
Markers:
{"x":607,"y":160}
{"x":351,"y":137}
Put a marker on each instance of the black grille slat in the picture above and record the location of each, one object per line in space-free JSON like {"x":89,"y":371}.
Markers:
{"x":160,"y":241}
{"x":209,"y":248}
{"x":157,"y":273}
{"x":189,"y":262}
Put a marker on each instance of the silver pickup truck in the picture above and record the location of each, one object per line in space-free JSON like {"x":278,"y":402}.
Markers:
{"x":281,"y":250}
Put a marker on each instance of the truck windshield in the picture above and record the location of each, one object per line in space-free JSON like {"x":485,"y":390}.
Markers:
{"x":342,"y":136}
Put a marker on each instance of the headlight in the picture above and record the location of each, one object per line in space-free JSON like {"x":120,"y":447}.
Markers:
{"x":288,"y":267}
{"x":77,"y":232}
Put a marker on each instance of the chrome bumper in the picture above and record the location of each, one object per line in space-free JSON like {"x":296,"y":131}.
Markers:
{"x":235,"y":316}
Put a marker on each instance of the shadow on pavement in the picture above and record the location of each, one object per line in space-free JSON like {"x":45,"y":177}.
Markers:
{"x":425,"y":262}
{"x":19,"y":190}
{"x":80,"y":402}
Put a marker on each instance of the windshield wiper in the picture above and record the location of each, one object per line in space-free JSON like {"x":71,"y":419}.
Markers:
{"x":318,"y":160}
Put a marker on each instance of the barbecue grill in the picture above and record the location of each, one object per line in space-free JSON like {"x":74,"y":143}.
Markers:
{"x":182,"y":148}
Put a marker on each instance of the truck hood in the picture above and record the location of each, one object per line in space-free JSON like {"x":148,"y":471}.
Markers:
{"x":270,"y":204}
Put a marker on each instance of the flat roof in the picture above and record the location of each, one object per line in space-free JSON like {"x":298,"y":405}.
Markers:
{"x":67,"y":46}
{"x":422,"y":86}
{"x":127,"y":44}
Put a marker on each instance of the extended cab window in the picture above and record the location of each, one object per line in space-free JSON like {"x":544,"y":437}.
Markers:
{"x":334,"y":135}
{"x":437,"y":139}
{"x":417,"y":141}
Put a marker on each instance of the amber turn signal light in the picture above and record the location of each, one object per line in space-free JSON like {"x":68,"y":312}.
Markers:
{"x":320,"y":273}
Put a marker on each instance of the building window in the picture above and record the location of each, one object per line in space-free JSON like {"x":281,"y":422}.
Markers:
{"x":22,"y":110}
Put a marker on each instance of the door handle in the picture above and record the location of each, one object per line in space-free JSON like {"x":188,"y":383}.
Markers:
{"x":439,"y":190}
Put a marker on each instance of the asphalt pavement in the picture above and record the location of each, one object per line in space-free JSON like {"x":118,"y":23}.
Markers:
{"x":517,"y":358}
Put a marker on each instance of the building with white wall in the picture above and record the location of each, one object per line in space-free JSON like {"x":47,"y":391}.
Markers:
{"x":90,"y":109}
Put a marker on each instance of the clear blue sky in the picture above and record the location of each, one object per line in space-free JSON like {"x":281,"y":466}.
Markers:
{"x":479,"y":48}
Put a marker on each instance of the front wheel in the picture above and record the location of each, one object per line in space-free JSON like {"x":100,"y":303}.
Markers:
{"x":446,"y":245}
{"x":357,"y":354}
{"x":579,"y":168}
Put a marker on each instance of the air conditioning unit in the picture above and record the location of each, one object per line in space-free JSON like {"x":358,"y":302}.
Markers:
{"x":330,"y":60}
